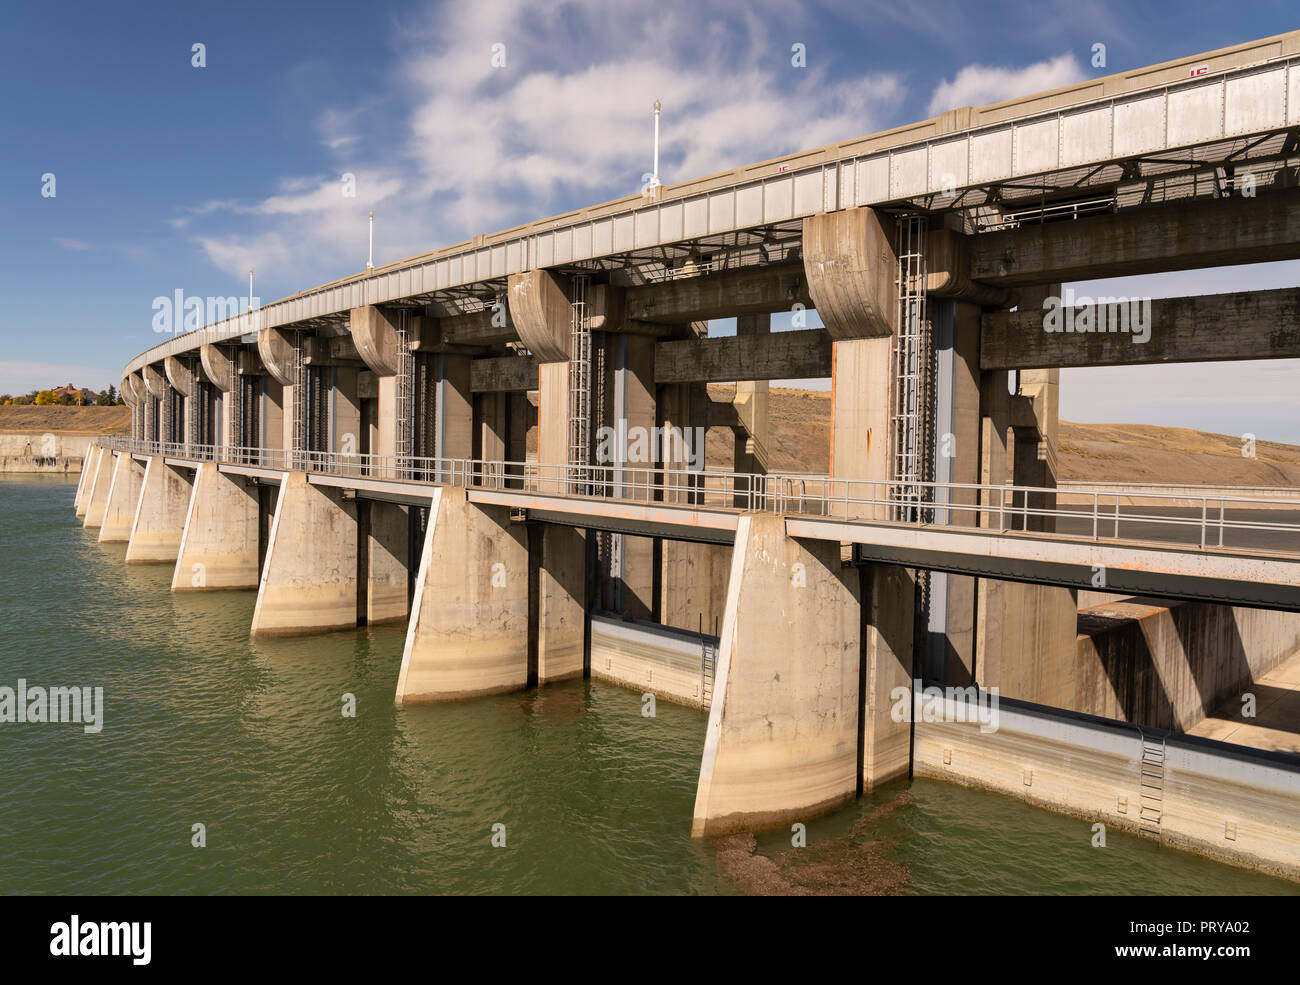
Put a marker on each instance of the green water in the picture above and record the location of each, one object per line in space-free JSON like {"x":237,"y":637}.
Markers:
{"x":204,"y":725}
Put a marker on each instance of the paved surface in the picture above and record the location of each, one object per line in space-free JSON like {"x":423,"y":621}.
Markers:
{"x":1190,"y":533}
{"x":1276,"y":725}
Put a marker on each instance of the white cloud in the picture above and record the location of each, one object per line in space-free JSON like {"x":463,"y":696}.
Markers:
{"x":80,"y":245}
{"x":979,"y":85}
{"x":475,"y":148}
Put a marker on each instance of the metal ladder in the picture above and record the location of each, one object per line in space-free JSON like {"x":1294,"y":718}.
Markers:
{"x":579,"y":389}
{"x":1152,"y":776}
{"x":708,"y":665}
{"x":402,"y":381}
{"x":912,"y":382}
{"x":236,"y":426}
{"x":300,"y":422}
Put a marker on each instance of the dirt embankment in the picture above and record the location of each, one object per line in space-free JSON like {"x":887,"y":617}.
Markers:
{"x":29,"y":418}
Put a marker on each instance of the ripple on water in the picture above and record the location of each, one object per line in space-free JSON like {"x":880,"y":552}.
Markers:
{"x":204,"y":725}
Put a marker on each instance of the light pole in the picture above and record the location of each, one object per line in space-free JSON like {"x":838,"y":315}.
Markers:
{"x":655,"y":179}
{"x":371,"y":262}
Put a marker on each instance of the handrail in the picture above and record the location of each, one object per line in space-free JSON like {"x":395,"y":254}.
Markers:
{"x":1002,"y":508}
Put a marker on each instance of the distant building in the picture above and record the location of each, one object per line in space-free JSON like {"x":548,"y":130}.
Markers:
{"x":79,"y":395}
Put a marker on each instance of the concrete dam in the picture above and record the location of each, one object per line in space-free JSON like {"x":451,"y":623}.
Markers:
{"x":501,"y":444}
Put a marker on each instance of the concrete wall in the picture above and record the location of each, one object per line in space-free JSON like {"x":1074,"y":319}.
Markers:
{"x":645,"y":657}
{"x":1169,"y":664}
{"x":43,"y":452}
{"x":1155,"y":662}
{"x":1217,"y":800}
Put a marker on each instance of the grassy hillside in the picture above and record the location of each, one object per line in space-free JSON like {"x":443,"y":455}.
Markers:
{"x":75,"y":420}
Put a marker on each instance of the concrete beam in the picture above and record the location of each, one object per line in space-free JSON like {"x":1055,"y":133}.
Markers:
{"x":1181,"y":236}
{"x":781,"y":356}
{"x":486,"y":327}
{"x":1248,"y":325}
{"x":749,"y":291}
{"x":851,"y":267}
{"x":503,"y":374}
{"x":333,"y":350}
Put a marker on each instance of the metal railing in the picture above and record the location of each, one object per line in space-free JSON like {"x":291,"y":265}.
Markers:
{"x":1203,"y":522}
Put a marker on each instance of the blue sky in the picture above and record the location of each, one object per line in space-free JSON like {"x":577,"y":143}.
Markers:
{"x":171,"y":177}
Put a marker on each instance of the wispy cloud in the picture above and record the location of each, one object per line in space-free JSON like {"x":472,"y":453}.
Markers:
{"x":481,"y":146}
{"x":80,"y":245}
{"x":979,"y":85}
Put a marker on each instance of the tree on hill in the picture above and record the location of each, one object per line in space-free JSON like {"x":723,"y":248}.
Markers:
{"x":46,"y":398}
{"x":107,"y":398}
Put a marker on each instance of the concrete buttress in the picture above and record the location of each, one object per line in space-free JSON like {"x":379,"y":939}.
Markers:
{"x":782,"y":739}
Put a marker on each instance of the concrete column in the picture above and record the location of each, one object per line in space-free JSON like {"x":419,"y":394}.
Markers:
{"x":751,"y":403}
{"x":288,"y":408}
{"x":309,"y":580}
{"x":345,"y":411}
{"x":782,"y":739}
{"x":386,"y":445}
{"x":386,"y":545}
{"x":552,"y":425}
{"x":635,"y":417}
{"x":561,"y":603}
{"x":951,"y":639}
{"x":860,"y":370}
{"x":160,"y":518}
{"x":218,"y":548}
{"x":889,"y":594}
{"x":468,"y":633}
{"x":123,"y":498}
{"x":276,"y":414}
{"x":455,"y":414}
{"x":97,"y":501}
{"x":1026,"y":642}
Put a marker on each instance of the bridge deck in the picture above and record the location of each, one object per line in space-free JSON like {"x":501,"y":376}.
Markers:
{"x":887,"y":522}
